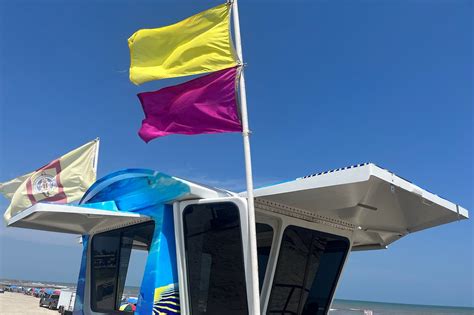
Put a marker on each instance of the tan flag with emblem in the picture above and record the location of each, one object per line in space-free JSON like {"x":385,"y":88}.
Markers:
{"x":63,"y":180}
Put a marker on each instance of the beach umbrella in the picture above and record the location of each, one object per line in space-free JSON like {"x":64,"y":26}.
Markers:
{"x":128,"y":307}
{"x":132,"y":300}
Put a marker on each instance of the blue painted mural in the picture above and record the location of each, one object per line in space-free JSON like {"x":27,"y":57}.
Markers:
{"x":146,"y":192}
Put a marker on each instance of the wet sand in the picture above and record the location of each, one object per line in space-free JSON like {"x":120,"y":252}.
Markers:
{"x":18,"y":303}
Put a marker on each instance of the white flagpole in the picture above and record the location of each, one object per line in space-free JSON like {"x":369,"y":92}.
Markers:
{"x":96,"y":158}
{"x":255,"y":307}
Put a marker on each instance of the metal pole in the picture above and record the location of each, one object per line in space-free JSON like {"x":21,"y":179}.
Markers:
{"x":96,"y":158}
{"x":255,"y":305}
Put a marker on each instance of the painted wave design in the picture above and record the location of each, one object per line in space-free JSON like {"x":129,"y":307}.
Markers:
{"x":168,"y":303}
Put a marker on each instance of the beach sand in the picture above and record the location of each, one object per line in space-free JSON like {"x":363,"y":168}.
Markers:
{"x":19,"y":303}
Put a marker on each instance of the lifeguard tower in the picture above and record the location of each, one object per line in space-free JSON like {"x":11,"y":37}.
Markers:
{"x":198,"y":244}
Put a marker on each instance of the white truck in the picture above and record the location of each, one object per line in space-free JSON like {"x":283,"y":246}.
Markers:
{"x":66,"y":302}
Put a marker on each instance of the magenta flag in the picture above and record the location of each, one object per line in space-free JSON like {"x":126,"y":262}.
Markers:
{"x":204,"y":105}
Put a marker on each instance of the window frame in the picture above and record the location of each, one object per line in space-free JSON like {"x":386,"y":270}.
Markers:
{"x":88,"y":290}
{"x":283,"y":222}
{"x":276,"y":223}
{"x":335,"y":280}
{"x":179,"y":208}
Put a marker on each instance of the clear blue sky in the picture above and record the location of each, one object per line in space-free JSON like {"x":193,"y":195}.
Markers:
{"x":330,"y":84}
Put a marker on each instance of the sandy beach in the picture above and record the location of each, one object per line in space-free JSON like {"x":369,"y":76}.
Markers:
{"x":19,"y":303}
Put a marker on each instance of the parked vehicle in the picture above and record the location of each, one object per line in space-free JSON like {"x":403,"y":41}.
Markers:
{"x":42,"y":292}
{"x":50,"y":300}
{"x":36,"y":292}
{"x":66,"y":301}
{"x":43,"y":297}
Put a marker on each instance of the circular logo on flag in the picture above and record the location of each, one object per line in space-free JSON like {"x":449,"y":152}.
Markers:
{"x":45,"y":184}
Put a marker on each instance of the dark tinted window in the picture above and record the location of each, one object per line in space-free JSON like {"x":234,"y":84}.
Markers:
{"x":308,"y":267}
{"x":264,"y":245}
{"x":214,"y":258}
{"x":110,"y":255}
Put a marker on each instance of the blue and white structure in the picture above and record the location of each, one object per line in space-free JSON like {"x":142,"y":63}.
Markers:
{"x":198,"y":244}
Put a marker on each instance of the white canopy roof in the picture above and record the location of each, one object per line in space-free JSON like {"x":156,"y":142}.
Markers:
{"x":72,"y":219}
{"x":380,"y":206}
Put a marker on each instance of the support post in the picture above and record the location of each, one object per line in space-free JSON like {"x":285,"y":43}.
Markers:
{"x":255,"y":305}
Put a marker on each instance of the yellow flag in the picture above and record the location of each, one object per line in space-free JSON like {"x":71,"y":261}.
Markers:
{"x":63,"y":180}
{"x":198,"y":44}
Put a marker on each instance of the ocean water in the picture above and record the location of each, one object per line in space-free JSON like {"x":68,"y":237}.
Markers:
{"x":348,"y":307}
